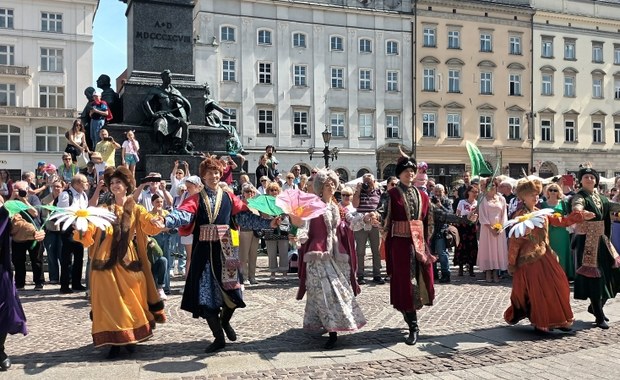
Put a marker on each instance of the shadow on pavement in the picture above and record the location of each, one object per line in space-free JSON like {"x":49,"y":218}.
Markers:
{"x":175,"y":366}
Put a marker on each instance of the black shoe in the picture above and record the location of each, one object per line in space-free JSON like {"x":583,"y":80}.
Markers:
{"x":79,"y":288}
{"x":131,"y":348}
{"x":331,"y":341}
{"x":243,"y":152}
{"x":387,"y":279}
{"x":378,"y":280}
{"x":38,"y":287}
{"x":5,"y":364}
{"x":566,"y":329}
{"x":114,"y":352}
{"x":361,"y":281}
{"x":592,"y":312}
{"x":65,"y":291}
{"x":230,"y":332}
{"x":215,"y":346}
{"x":601,"y":324}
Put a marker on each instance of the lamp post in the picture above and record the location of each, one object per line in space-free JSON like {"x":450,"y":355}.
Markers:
{"x":327,"y":153}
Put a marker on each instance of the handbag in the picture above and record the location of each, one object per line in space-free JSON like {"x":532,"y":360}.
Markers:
{"x":82,"y":160}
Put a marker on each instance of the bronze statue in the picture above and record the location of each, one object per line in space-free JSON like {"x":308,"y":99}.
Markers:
{"x":169,"y":112}
{"x":111,"y":97}
{"x":233,"y":143}
{"x":85,"y":115}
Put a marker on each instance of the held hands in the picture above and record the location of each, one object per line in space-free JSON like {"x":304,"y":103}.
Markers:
{"x":159,"y":222}
{"x":588,"y":215}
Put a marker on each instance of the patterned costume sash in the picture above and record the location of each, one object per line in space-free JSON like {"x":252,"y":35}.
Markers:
{"x":229,"y":255}
{"x":594,"y":232}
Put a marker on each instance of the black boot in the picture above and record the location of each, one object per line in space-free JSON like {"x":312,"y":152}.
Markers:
{"x":331,"y":341}
{"x":5,"y":362}
{"x":412,"y":321}
{"x":218,"y":333}
{"x":226,"y":316}
{"x":114,"y":352}
{"x":597,"y":309}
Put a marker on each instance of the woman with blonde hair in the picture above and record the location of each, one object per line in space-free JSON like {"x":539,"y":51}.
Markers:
{"x":276,"y":241}
{"x":492,"y":245}
{"x":76,"y":140}
{"x":559,"y":238}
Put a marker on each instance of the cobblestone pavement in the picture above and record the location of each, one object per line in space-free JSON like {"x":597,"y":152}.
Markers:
{"x":462,"y":336}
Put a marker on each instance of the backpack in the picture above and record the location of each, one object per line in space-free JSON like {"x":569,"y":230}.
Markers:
{"x":293,"y":261}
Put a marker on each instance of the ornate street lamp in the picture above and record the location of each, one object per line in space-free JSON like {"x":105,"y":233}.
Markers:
{"x":327,"y":153}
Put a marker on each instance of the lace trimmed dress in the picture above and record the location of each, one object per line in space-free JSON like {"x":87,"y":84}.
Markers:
{"x":330,"y":299}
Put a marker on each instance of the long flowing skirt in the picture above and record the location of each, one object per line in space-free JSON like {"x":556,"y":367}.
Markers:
{"x":120,"y":310}
{"x":540,"y":292}
{"x":559,"y":239}
{"x":467,"y":251}
{"x":12,"y":317}
{"x":330,"y":302}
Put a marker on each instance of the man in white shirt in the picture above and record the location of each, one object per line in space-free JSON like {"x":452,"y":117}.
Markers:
{"x":152,"y":185}
{"x":76,"y":194}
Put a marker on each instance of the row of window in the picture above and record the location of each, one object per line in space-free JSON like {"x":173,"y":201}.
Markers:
{"x":570,"y":50}
{"x":51,"y":59}
{"x":300,"y":76}
{"x":454,"y":129}
{"x":299,"y":40}
{"x":49,"y":96}
{"x":570,"y":88}
{"x":50,"y":22}
{"x":430,"y":82}
{"x":47,"y":139}
{"x":429,"y":39}
{"x":570,"y":131}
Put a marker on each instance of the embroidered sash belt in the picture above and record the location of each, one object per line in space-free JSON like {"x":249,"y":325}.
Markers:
{"x":594,"y":232}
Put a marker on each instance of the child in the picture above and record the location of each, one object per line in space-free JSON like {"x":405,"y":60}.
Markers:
{"x":162,"y":238}
{"x":129,"y":153}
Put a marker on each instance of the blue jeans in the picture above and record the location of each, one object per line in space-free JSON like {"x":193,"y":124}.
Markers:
{"x":53,"y":247}
{"x":95,"y":127}
{"x":444,"y":255}
{"x":177,"y":249}
{"x":163,"y":239}
{"x":159,"y":269}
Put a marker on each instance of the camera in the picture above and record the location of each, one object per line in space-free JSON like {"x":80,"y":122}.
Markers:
{"x":109,"y":138}
{"x":434,"y":199}
{"x":365,"y":186}
{"x":150,"y":179}
{"x":22,"y":193}
{"x":184,"y":163}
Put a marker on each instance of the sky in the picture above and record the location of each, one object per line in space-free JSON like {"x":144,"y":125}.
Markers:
{"x":110,"y":37}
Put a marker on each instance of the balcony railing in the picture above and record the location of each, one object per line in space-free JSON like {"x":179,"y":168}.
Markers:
{"x":62,"y":113}
{"x":20,"y":71}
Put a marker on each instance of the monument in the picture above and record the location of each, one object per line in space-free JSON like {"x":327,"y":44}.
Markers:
{"x":161,"y":100}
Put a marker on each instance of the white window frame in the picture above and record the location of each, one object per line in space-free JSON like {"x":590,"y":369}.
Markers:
{"x":486,"y":42}
{"x":486,"y":83}
{"x":265,"y":122}
{"x":365,"y":124}
{"x":617,"y":88}
{"x":365,"y":45}
{"x":485,"y":123}
{"x":51,"y":94}
{"x":454,"y":39}
{"x":301,"y":122}
{"x":514,"y":128}
{"x":229,"y":70}
{"x":546,"y":48}
{"x":617,"y":132}
{"x":454,"y":81}
{"x":6,"y":18}
{"x":570,"y":49}
{"x":429,"y":124}
{"x":514,"y":85}
{"x":570,"y":130}
{"x":515,"y":45}
{"x":453,"y":126}
{"x":546,"y":84}
{"x":10,"y":135}
{"x":598,"y":131}
{"x":337,"y":122}
{"x":365,"y":79}
{"x":616,"y":54}
{"x":337,"y":77}
{"x":232,"y":119}
{"x":51,"y":22}
{"x":392,"y":81}
{"x":8,"y":93}
{"x":429,"y":82}
{"x":336,"y":43}
{"x":51,"y":59}
{"x":299,"y":40}
{"x":569,"y":86}
{"x":392,"y":126}
{"x":546,"y":129}
{"x":391,"y":47}
{"x":265,"y":73}
{"x":264,"y":37}
{"x":429,"y":38}
{"x":597,"y":87}
{"x":53,"y":138}
{"x":228,"y":33}
{"x":597,"y":52}
{"x":7,"y":55}
{"x":300,"y":78}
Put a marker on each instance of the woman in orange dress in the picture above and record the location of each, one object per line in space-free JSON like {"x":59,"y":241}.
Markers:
{"x":540,"y":290}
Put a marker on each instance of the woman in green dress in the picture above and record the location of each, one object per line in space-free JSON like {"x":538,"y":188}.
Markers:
{"x":559,"y":238}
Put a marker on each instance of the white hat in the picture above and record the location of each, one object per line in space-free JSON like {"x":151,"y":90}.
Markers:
{"x":194,"y":179}
{"x":96,"y":93}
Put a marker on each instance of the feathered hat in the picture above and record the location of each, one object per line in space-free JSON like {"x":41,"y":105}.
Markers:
{"x":405,"y":162}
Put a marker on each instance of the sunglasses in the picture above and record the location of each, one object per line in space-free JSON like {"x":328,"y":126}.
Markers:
{"x":66,"y":159}
{"x":553,"y":190}
{"x":346,"y":195}
{"x":263,"y":180}
{"x":313,"y":172}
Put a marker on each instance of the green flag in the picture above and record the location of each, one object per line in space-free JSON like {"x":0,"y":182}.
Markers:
{"x":479,"y":166}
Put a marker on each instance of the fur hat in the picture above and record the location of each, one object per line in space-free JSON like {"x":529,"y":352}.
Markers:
{"x":405,"y":162}
{"x":121,"y":173}
{"x":527,"y":186}
{"x":321,"y":177}
{"x":587,"y":169}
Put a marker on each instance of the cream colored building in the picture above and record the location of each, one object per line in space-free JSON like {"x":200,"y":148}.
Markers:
{"x":473,"y":73}
{"x":288,"y":69}
{"x":576,"y":85}
{"x":45,"y":64}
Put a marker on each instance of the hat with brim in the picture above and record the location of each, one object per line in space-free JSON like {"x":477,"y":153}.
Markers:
{"x":194,"y":180}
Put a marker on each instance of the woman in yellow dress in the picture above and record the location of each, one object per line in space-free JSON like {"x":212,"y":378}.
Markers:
{"x":124,"y":300}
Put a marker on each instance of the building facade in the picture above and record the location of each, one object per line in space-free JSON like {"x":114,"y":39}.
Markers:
{"x":576,"y":85}
{"x":287,"y":70}
{"x":45,"y":64}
